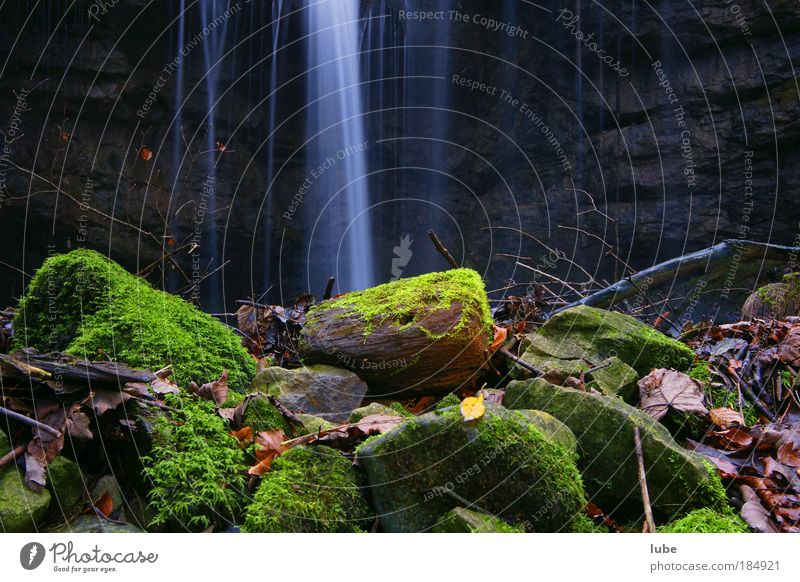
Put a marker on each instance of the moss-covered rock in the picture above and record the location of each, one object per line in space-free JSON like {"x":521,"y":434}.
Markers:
{"x":616,"y":378}
{"x":552,"y":428}
{"x":308,"y":490}
{"x":501,"y":462}
{"x":261,"y":414}
{"x":326,"y":391}
{"x":66,"y":484}
{"x":21,"y":510}
{"x":448,"y":401}
{"x":678,"y":480}
{"x":462,"y":520}
{"x":312,"y":424}
{"x":706,"y":520}
{"x":377,"y":408}
{"x":579,"y":337}
{"x":774,"y":301}
{"x":102,"y":311}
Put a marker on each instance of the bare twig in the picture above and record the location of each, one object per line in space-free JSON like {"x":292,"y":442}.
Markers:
{"x":520,"y":361}
{"x":29,"y":421}
{"x":648,"y":510}
{"x":442,"y":250}
{"x":11,"y":456}
{"x":551,"y":277}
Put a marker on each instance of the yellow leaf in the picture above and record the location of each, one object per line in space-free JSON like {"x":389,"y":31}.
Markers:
{"x":472,"y":408}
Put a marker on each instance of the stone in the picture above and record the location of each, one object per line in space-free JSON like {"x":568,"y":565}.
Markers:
{"x":312,"y":424}
{"x":581,"y":337}
{"x":500,"y":462}
{"x":462,"y":520}
{"x":107,"y":484}
{"x":66,"y":484}
{"x":21,"y":510}
{"x":377,"y":408}
{"x":325,"y":391}
{"x":678,"y":479}
{"x":552,"y":428}
{"x":616,"y":378}
{"x":95,"y":524}
{"x":774,"y":301}
{"x":309,"y":490}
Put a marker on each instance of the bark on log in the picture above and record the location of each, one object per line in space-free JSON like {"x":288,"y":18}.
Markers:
{"x":432,"y":338}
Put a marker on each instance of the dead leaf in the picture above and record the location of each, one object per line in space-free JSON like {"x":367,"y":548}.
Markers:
{"x":35,"y":473}
{"x":105,"y":504}
{"x":243,"y":435}
{"x":789,"y":348}
{"x":77,"y":425}
{"x":500,"y":335}
{"x":664,"y":390}
{"x":104,"y":400}
{"x":726,"y":417}
{"x":269,"y":446}
{"x":472,"y":408}
{"x":216,"y":391}
{"x":734,"y":439}
{"x":754,"y":513}
{"x":789,"y":455}
{"x":163,"y":386}
{"x":346,"y":435}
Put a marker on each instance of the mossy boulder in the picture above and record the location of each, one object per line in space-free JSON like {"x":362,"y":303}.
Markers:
{"x":678,"y":480}
{"x":616,"y":378}
{"x":308,"y":490}
{"x":420,"y":334}
{"x":261,"y":415}
{"x":774,"y":301}
{"x":87,"y":305}
{"x":312,"y":424}
{"x":377,"y":408}
{"x":21,"y":510}
{"x":462,"y":520}
{"x":552,"y":428}
{"x":706,"y":520}
{"x":66,"y":484}
{"x":326,"y":391}
{"x":577,"y":338}
{"x":501,"y":463}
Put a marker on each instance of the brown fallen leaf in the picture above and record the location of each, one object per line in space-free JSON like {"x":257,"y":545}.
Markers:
{"x":105,"y":504}
{"x":726,"y":417}
{"x":35,"y":473}
{"x":216,"y":391}
{"x":664,"y":390}
{"x":788,"y":454}
{"x":348,"y":434}
{"x":161,"y":386}
{"x":733,"y":439}
{"x":104,"y":400}
{"x":500,"y":335}
{"x":269,"y":446}
{"x":789,"y":348}
{"x":754,"y":513}
{"x":244,"y":435}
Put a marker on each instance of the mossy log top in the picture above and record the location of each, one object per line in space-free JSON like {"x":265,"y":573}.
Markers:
{"x":423,"y":333}
{"x":87,"y":305}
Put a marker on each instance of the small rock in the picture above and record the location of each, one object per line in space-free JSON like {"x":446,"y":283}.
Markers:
{"x":433,"y":463}
{"x":66,"y":483}
{"x":312,"y":424}
{"x":21,"y":510}
{"x":325,"y":391}
{"x":95,"y":524}
{"x":462,"y":520}
{"x":580,"y":337}
{"x":107,"y":484}
{"x":677,"y":479}
{"x":377,"y":408}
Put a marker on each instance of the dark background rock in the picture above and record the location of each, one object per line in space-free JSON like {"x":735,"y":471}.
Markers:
{"x":620,"y":135}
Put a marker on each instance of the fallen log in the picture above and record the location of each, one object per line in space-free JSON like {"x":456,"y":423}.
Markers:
{"x":423,"y":334}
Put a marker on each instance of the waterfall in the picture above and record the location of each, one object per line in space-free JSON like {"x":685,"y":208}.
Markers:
{"x":212,"y":19}
{"x":337,"y":156}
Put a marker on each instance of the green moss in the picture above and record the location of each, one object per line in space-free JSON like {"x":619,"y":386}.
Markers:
{"x":394,"y":409}
{"x":403,"y":301}
{"x":308,"y":490}
{"x":261,"y":415}
{"x":87,"y":305}
{"x":234,"y":400}
{"x":707,"y":521}
{"x":462,"y":520}
{"x":21,"y":510}
{"x":66,"y":483}
{"x":447,"y":402}
{"x":196,"y":468}
{"x":312,"y":425}
{"x":582,"y":523}
{"x":701,"y":372}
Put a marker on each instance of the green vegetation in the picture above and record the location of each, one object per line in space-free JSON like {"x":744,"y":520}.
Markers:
{"x":308,"y":490}
{"x":462,"y":520}
{"x":707,"y":521}
{"x":261,"y":415}
{"x":196,"y":468}
{"x":85,"y":304}
{"x":582,"y":523}
{"x":447,"y":402}
{"x":402,"y":300}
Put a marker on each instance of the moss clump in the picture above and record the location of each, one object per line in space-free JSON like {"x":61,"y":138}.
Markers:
{"x":261,"y":415}
{"x":308,"y":490}
{"x":707,"y":521}
{"x":447,"y":402}
{"x":196,"y":468}
{"x":584,"y":524}
{"x":701,"y":372}
{"x":87,"y":305}
{"x":403,"y":301}
{"x":432,"y":463}
{"x":462,"y":520}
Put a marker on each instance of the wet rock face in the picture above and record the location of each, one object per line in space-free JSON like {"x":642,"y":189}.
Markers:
{"x":672,"y":182}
